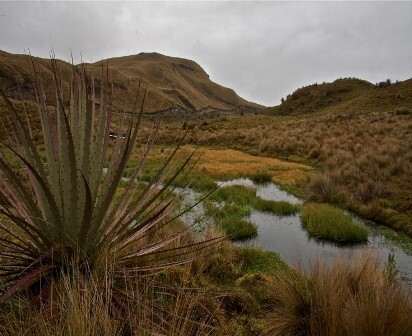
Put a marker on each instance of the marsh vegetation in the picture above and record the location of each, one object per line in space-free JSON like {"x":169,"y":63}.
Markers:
{"x":327,"y":222}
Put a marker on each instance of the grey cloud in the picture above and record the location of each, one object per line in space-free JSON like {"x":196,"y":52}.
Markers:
{"x":263,"y":50}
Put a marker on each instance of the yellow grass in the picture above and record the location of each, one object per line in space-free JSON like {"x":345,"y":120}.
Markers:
{"x":227,"y":163}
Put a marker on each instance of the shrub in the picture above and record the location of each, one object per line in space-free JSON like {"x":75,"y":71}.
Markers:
{"x":328,"y":222}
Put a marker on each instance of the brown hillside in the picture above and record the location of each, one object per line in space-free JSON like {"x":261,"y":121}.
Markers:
{"x":344,"y":95}
{"x":173,"y":83}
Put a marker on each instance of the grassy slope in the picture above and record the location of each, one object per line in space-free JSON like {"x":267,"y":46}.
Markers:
{"x":357,"y":133}
{"x":317,"y":97}
{"x":172,"y":82}
{"x":360,"y":137}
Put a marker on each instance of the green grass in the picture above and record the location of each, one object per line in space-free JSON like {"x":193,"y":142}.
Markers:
{"x":245,"y":196}
{"x":196,"y":182}
{"x":230,"y":209}
{"x":262,"y":177}
{"x":230,"y":218}
{"x":281,"y":208}
{"x":240,"y":195}
{"x":237,"y":203}
{"x":327,"y":222}
{"x":398,"y":238}
{"x":237,"y":228}
{"x":257,"y":260}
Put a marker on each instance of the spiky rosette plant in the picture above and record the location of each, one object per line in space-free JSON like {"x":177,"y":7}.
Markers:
{"x":67,"y":211}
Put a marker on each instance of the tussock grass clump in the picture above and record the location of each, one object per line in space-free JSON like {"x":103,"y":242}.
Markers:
{"x":230,"y":218}
{"x":262,"y":177}
{"x":356,"y":297}
{"x":328,"y":222}
{"x":325,"y":188}
{"x":233,"y":262}
{"x":202,"y":183}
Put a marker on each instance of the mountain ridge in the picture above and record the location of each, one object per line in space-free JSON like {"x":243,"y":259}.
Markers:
{"x":174,"y":84}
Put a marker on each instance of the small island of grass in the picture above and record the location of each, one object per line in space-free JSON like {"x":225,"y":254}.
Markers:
{"x":235,"y":205}
{"x":327,"y":222}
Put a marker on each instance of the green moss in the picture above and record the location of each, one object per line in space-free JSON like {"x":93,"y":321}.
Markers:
{"x":330,"y":223}
{"x":258,"y":285}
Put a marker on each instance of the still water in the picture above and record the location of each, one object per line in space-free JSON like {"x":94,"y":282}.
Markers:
{"x":286,"y":236}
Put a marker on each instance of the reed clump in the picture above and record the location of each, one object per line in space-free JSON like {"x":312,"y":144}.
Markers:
{"x":356,"y":297}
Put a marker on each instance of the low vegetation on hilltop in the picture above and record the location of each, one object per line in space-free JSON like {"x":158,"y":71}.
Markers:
{"x":316,"y":97}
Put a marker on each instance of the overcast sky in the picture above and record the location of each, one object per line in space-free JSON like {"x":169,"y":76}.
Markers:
{"x":262,"y":50}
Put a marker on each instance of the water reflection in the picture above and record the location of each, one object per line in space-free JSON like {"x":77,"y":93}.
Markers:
{"x":286,"y":236}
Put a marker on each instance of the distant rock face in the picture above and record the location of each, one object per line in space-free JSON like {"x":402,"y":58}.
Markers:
{"x":173,"y":84}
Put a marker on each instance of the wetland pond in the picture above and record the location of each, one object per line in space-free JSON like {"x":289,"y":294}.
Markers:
{"x":286,"y":235}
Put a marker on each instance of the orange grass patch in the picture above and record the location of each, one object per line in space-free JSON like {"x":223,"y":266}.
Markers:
{"x":226,"y":163}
